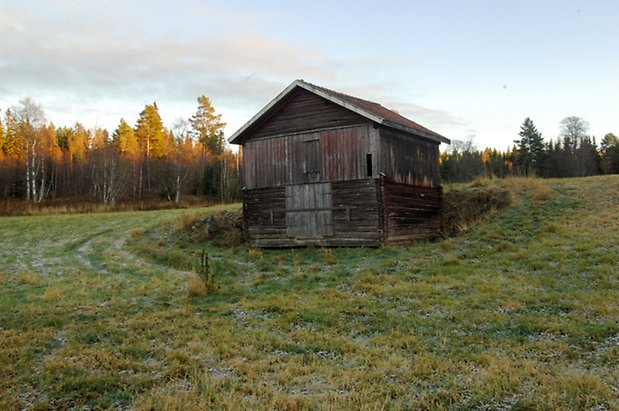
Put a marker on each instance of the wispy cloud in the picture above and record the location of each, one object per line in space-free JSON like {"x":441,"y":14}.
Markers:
{"x":79,"y":59}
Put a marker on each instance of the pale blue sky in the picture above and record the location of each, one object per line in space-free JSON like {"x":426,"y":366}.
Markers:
{"x":460,"y":68}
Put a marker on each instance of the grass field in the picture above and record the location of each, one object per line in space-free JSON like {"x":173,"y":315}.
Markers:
{"x":520,"y":312}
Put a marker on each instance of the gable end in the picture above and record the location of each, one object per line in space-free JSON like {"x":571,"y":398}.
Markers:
{"x":300,"y":111}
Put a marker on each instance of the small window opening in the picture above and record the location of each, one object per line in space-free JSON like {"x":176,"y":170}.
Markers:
{"x":368,"y":162}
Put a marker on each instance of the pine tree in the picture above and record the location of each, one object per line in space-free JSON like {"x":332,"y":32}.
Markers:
{"x":149,"y":131}
{"x":125,"y":140}
{"x":150,"y":135}
{"x":207,"y":128}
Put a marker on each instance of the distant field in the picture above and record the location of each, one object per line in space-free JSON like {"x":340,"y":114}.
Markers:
{"x":522,"y":312}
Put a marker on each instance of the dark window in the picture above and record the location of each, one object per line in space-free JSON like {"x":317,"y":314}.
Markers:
{"x":311,"y":168}
{"x":368,"y":162}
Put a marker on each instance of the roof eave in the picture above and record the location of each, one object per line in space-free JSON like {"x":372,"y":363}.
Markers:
{"x":236,"y":137}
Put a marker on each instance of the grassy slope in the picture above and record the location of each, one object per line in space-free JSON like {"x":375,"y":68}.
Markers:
{"x":521,"y":311}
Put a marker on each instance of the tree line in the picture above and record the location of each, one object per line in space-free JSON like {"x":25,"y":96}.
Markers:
{"x":40,"y":162}
{"x":147,"y":161}
{"x":573,"y":154}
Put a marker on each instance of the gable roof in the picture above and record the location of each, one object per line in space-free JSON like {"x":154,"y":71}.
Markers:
{"x":368,"y":109}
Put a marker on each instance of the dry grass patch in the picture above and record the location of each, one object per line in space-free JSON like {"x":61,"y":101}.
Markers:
{"x":534,"y":188}
{"x":197,"y":288}
{"x":27,"y":277}
{"x":53,"y":294}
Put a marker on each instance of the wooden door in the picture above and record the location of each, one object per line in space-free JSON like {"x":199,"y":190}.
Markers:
{"x":312,"y":160}
{"x":309,"y":211}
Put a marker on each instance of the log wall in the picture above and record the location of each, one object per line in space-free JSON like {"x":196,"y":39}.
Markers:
{"x":411,"y":213}
{"x":264,"y":216}
{"x":355,"y":213}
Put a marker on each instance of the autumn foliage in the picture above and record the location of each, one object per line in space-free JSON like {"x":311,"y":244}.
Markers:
{"x":41,"y":163}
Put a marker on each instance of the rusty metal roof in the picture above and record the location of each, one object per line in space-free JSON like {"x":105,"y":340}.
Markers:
{"x":365,"y":108}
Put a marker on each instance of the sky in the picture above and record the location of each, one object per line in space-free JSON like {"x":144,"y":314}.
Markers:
{"x":465,"y":69}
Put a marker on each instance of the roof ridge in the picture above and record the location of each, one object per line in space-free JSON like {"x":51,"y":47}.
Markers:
{"x":387,"y":114}
{"x":340,"y":93}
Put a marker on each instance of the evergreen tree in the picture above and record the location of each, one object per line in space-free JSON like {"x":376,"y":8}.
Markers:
{"x":125,"y":140}
{"x":150,"y":136}
{"x":207,"y":128}
{"x":149,"y":131}
{"x":587,"y":157}
{"x":609,"y":152}
{"x":529,"y":149}
{"x":12,"y":146}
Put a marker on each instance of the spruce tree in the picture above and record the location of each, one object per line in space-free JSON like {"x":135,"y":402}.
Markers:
{"x":609,"y":150}
{"x":530,"y":149}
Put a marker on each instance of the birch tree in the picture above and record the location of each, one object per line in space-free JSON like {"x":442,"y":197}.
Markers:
{"x":31,"y":118}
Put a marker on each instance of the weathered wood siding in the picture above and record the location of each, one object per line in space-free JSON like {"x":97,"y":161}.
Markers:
{"x":409,"y":160}
{"x":302,"y":111}
{"x":410,"y":212}
{"x":348,"y":216}
{"x":322,"y":156}
{"x":357,"y":213}
{"x":264,"y":217}
{"x":309,"y":211}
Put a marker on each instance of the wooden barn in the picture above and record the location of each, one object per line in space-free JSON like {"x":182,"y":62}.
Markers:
{"x":327,"y":169}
